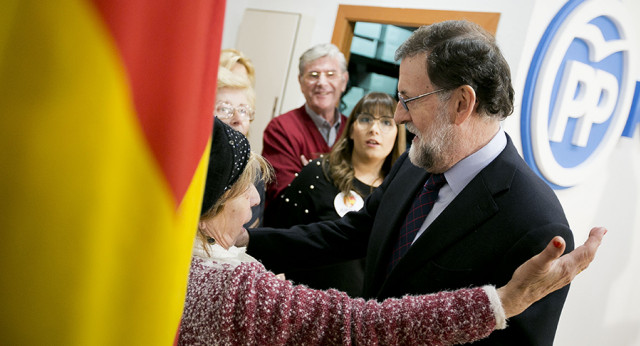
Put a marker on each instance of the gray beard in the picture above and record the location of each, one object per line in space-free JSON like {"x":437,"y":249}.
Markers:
{"x":423,"y":157}
{"x":429,"y":152}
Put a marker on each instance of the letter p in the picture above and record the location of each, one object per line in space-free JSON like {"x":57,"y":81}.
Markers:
{"x":587,"y":94}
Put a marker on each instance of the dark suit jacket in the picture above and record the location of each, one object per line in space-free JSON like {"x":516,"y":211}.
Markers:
{"x":504,"y":216}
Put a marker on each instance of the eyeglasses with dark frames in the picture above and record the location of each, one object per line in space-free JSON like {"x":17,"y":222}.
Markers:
{"x":404,"y":101}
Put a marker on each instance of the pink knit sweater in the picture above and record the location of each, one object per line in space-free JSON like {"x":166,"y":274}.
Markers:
{"x":244,"y":304}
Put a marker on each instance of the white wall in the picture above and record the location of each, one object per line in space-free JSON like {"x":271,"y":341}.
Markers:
{"x":602,"y":307}
{"x":325,"y":12}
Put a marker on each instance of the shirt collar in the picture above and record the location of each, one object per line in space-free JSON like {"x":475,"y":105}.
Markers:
{"x":320,"y":121}
{"x":462,"y":172}
{"x":214,"y":252}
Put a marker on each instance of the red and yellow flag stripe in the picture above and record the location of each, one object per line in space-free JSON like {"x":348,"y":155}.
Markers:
{"x":105,"y":120}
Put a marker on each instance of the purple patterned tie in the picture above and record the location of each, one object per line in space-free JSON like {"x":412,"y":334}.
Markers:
{"x":421,"y":207}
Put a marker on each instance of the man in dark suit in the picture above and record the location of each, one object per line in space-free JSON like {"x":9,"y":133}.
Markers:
{"x":490,"y":214}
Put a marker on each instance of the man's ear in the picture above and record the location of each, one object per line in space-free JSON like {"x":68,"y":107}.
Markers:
{"x":464,"y":98}
{"x":345,"y":76}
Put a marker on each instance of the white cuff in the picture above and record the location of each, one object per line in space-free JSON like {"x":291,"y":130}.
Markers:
{"x":496,"y":306}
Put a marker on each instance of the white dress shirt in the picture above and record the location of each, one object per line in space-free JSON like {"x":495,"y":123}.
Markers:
{"x":461,"y":174}
{"x":329,"y":132}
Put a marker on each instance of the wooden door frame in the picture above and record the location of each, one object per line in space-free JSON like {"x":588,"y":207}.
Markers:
{"x":348,"y":15}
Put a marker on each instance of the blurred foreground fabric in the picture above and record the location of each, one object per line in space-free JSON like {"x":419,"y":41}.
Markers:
{"x":105,"y":122}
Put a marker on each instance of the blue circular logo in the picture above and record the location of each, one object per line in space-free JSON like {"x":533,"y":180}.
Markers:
{"x":579,"y":91}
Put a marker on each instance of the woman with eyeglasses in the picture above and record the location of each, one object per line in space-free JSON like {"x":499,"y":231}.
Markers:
{"x":329,"y":187}
{"x":235,"y":102}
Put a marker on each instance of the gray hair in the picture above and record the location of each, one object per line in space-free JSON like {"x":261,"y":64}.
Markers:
{"x":319,"y":51}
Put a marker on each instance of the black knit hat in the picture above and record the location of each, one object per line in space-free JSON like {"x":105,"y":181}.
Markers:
{"x":230,"y":152}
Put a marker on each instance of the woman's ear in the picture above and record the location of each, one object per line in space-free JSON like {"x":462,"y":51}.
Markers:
{"x":202,"y":225}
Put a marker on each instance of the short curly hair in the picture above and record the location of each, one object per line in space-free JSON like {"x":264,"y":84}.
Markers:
{"x":462,"y":53}
{"x":229,"y":57}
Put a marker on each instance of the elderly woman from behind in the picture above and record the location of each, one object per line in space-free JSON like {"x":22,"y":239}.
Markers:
{"x":233,"y":299}
{"x":329,"y":187}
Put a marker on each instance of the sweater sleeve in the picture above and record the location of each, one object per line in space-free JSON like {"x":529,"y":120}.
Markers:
{"x":282,"y":154}
{"x":259,"y":308}
{"x":496,"y":306}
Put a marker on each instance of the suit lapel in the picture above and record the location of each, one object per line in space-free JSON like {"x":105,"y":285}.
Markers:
{"x":474,"y":205}
{"x":391,"y":214}
{"x":470,"y":208}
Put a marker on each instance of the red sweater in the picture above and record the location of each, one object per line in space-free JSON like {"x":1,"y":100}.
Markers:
{"x":247,"y":305}
{"x":288,"y":136}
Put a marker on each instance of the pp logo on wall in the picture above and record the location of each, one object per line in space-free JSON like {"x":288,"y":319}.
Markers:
{"x":581,"y":92}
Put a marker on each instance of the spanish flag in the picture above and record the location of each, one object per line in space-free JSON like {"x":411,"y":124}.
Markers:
{"x":105,"y":125}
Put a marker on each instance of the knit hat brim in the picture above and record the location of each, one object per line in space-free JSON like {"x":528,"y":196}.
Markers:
{"x":230,"y":151}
